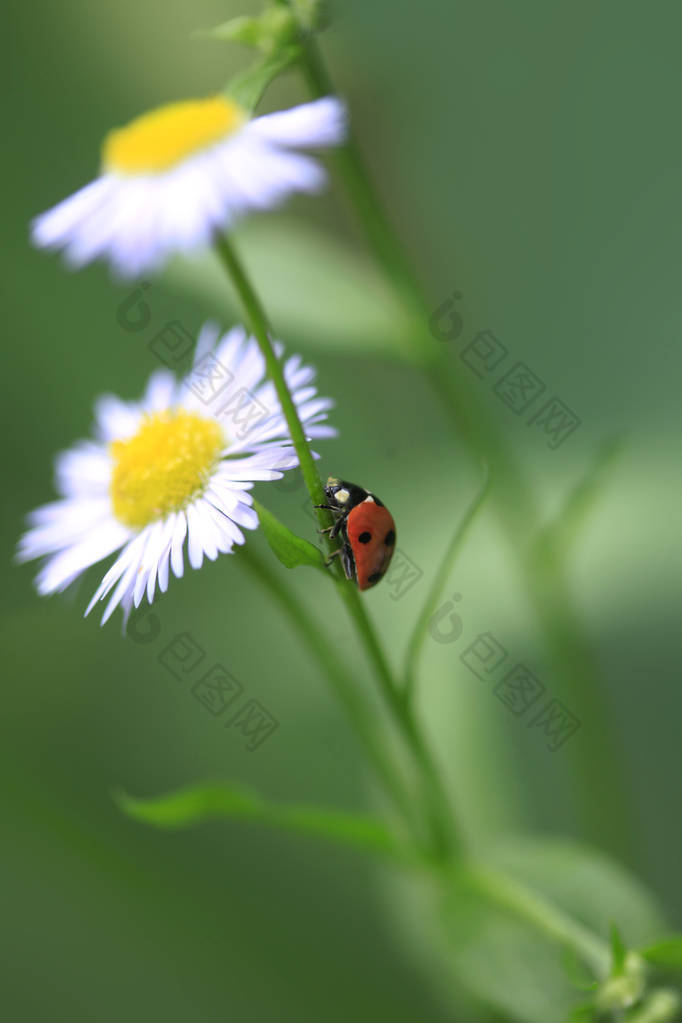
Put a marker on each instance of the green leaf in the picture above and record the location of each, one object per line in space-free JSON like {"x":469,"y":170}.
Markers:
{"x":190,"y":805}
{"x":241,"y":29}
{"x":247,"y":87}
{"x":577,"y":972}
{"x":269,"y":32}
{"x":217,"y":800}
{"x":618,"y":951}
{"x":509,"y":964}
{"x":290,"y":549}
{"x":584,"y":1013}
{"x":354,"y":311}
{"x":585,"y":883}
{"x":665,"y":952}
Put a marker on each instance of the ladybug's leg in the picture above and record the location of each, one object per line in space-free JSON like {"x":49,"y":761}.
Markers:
{"x":348,"y":562}
{"x":346,"y":555}
{"x":335,"y":529}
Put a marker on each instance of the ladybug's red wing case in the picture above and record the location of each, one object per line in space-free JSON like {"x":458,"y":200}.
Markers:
{"x":371,"y":535}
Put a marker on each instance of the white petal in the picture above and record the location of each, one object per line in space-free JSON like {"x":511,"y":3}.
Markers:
{"x":161,"y":390}
{"x":125,"y":202}
{"x":229,"y":529}
{"x":61,"y":569}
{"x":311,"y":408}
{"x":320,"y":123}
{"x":148,"y":560}
{"x":130,"y":554}
{"x":320,"y":432}
{"x":165,"y":556}
{"x":206,"y":341}
{"x":162,"y":553}
{"x":123,"y":592}
{"x":53,"y":228}
{"x":210,"y":538}
{"x":242,"y":472}
{"x":116,"y":419}
{"x":298,"y":377}
{"x":263,"y":176}
{"x":177,"y":563}
{"x":61,"y":524}
{"x":238,"y":511}
{"x":303,"y":394}
{"x":223,"y":528}
{"x":126,"y":605}
{"x":83,"y":471}
{"x":195,"y":547}
{"x":184,"y":217}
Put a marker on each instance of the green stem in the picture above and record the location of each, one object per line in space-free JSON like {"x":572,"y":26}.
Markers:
{"x":420,"y":631}
{"x":437,"y":802}
{"x":350,"y":165}
{"x":341,"y":679}
{"x":596,"y":755}
{"x":259,"y":325}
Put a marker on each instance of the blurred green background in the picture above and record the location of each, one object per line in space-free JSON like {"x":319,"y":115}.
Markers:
{"x":529,"y":155}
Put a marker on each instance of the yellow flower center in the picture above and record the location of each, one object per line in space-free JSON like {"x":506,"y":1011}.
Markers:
{"x":163,"y":137}
{"x":164,"y":466}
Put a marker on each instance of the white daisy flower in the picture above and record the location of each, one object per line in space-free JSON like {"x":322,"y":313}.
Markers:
{"x":174,"y":176}
{"x":176,"y":466}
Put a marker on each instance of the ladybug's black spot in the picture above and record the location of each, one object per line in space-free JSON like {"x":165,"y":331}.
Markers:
{"x":390,"y":538}
{"x":377,"y":501}
{"x":365,"y":537}
{"x":374,"y":577}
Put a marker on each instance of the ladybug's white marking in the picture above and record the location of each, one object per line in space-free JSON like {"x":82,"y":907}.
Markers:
{"x":342,"y":496}
{"x":368,"y":498}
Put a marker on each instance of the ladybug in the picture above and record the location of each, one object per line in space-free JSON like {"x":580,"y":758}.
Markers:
{"x":366,"y":528}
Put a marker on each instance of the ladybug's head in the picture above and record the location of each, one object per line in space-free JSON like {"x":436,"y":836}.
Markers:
{"x":343,"y":495}
{"x":337,"y":492}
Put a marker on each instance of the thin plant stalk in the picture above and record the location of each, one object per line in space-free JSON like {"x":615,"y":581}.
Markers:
{"x":438,"y":809}
{"x":341,"y":680}
{"x":419,"y":633}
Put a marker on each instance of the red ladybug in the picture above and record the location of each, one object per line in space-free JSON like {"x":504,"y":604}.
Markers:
{"x":366,"y":528}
